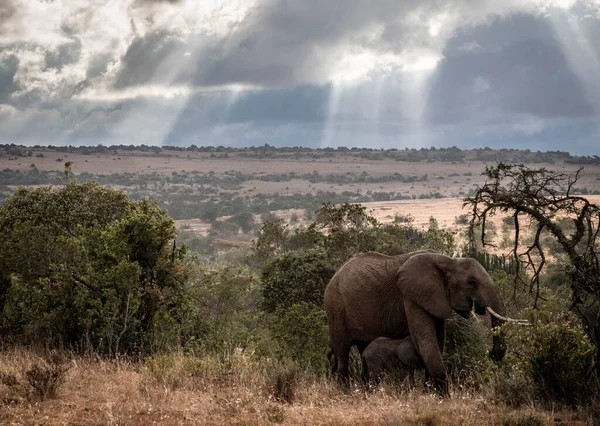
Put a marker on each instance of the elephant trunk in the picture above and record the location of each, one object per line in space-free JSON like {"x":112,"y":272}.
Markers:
{"x":495,"y":306}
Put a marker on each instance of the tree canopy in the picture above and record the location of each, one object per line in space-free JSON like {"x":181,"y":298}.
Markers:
{"x":84,"y":265}
{"x":546,"y":200}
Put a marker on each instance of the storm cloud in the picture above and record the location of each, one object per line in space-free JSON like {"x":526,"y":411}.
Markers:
{"x":234,"y":72}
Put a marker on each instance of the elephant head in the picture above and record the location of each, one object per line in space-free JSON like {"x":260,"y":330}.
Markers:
{"x":440,"y":284}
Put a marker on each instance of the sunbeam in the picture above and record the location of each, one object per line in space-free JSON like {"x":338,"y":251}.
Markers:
{"x":583,"y":60}
{"x":327,"y":138}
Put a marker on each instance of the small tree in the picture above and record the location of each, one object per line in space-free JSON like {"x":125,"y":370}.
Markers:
{"x":271,"y":240}
{"x":245,"y":220}
{"x":546,"y":198}
{"x":86,"y":266}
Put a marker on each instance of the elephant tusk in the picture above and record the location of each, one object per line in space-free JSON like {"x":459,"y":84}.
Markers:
{"x":475,"y":316}
{"x":500,"y":317}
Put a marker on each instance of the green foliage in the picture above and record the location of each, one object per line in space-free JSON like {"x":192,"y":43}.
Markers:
{"x":294,"y":278}
{"x":343,"y":231}
{"x":271,"y":239}
{"x":209,"y":214}
{"x":463,"y":219}
{"x":245,"y":220}
{"x":224,"y":300}
{"x":556,"y":357}
{"x":466,"y":354}
{"x":85,"y":266}
{"x":348,"y":230}
{"x":300,"y":334}
{"x":512,"y":387}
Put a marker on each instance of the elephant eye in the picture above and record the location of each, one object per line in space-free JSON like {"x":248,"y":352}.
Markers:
{"x":472,"y":282}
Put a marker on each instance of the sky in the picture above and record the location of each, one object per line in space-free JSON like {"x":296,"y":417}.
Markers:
{"x":315,"y":73}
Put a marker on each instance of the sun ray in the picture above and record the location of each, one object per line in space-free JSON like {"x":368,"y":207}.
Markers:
{"x":333,"y":106}
{"x":583,"y":60}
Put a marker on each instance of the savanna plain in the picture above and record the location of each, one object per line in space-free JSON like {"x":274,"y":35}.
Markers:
{"x":145,"y":285}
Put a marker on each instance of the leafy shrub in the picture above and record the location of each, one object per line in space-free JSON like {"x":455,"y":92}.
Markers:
{"x":299,"y":333}
{"x":87,"y":267}
{"x":245,"y":220}
{"x":466,"y":354}
{"x":463,"y":219}
{"x":294,"y":278}
{"x":512,"y":388}
{"x":561,"y":359}
{"x":223,"y":315}
{"x":557,"y":358}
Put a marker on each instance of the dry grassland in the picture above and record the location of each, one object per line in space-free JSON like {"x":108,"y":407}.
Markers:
{"x":445,"y":177}
{"x":189,"y":391}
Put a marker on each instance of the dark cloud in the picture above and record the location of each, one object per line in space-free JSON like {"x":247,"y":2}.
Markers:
{"x":149,"y":59}
{"x":305,"y":105}
{"x":302,"y":103}
{"x":517,"y":67}
{"x":8,"y":69}
{"x":281,"y":43}
{"x":64,"y":54}
{"x":98,"y":65}
{"x":7,"y":11}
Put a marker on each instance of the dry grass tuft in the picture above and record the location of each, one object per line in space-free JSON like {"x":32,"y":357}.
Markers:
{"x":183,"y":390}
{"x":285,"y":384}
{"x":32,"y":377}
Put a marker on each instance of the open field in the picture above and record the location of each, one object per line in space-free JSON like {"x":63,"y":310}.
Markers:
{"x":448,"y":178}
{"x":188,"y":391}
{"x":199,"y":186}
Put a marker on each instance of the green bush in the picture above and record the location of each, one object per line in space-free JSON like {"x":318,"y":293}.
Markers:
{"x":224,"y":299}
{"x":466,"y":354}
{"x":300,"y":334}
{"x":557,"y":358}
{"x":512,"y":387}
{"x":297,"y":277}
{"x":87,"y":267}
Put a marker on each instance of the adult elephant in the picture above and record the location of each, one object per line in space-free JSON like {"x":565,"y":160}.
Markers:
{"x":374,"y":295}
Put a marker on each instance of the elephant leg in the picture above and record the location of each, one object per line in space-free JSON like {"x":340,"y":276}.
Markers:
{"x":341,"y":354}
{"x":340,"y":345}
{"x":361,"y":346}
{"x":440,"y":329}
{"x":342,"y":366}
{"x":426,"y":338}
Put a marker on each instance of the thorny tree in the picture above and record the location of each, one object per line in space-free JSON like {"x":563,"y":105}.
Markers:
{"x":545,"y":198}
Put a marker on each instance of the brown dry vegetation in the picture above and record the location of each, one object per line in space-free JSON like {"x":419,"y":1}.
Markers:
{"x":175,"y":390}
{"x":448,"y":178}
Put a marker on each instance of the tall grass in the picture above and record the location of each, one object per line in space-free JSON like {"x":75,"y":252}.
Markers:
{"x":178,"y":389}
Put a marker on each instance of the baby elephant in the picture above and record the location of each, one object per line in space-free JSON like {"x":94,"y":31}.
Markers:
{"x":390,"y":355}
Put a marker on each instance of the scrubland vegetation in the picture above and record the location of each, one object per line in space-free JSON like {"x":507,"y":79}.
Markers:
{"x":109,"y":317}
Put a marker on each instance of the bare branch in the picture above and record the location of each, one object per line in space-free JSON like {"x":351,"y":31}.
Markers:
{"x":81,"y":281}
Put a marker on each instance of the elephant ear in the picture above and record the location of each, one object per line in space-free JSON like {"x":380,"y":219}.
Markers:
{"x":422,"y":280}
